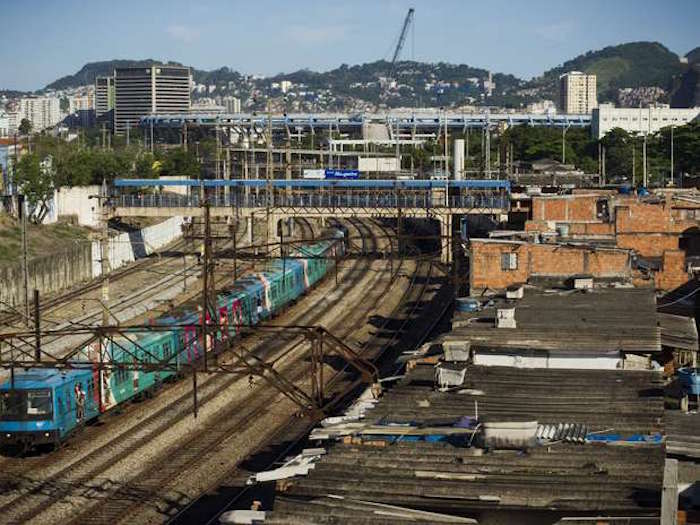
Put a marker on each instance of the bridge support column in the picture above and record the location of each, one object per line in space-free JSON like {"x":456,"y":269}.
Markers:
{"x":273,"y":223}
{"x":249,"y":228}
{"x":446,"y":238}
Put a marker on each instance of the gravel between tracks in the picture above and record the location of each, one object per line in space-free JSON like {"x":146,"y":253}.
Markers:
{"x":80,"y":490}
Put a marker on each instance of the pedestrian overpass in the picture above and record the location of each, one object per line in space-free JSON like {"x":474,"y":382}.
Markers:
{"x":281,"y":199}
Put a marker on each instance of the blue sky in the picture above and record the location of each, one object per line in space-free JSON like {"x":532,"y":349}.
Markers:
{"x":41,"y":40}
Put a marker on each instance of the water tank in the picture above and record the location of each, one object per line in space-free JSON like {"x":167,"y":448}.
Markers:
{"x":458,"y":159}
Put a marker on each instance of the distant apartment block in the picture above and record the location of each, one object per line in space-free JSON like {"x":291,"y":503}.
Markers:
{"x":232,"y":104}
{"x":104,"y":95}
{"x":141,"y":91}
{"x":4,"y":125}
{"x":639,"y":120}
{"x":42,"y":112}
{"x":81,"y":103}
{"x":577,"y":93}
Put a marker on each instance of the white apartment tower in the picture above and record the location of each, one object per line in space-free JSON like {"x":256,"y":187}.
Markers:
{"x":232,"y":104}
{"x":42,"y":112}
{"x":141,"y":91}
{"x":577,"y":93}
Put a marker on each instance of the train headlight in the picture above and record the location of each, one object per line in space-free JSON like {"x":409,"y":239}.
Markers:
{"x":46,"y":434}
{"x":8,"y":435}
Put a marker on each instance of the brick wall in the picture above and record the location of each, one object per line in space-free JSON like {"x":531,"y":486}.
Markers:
{"x":589,"y":229}
{"x":485,"y":265}
{"x":673,"y":273}
{"x":541,"y":260}
{"x":648,"y":244}
{"x":639,"y":217}
{"x":565,"y":208}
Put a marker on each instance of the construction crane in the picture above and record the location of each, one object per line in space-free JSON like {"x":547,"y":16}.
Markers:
{"x":399,"y":45}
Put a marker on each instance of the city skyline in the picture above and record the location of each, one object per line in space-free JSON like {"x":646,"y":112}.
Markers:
{"x":321,"y":37}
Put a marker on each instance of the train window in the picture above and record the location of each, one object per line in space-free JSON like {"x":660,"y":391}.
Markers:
{"x":39,"y":403}
{"x":11,"y":405}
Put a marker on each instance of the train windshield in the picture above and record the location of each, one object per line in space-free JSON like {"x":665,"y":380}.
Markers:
{"x":24,"y":405}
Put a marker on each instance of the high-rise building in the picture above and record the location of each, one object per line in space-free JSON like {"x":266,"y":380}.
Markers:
{"x":42,"y":112}
{"x":4,"y":124}
{"x":141,"y":91}
{"x":104,"y":95}
{"x":577,"y":93}
{"x":232,"y":104}
{"x":83,"y":102}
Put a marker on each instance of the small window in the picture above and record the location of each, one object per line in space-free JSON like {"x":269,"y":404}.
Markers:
{"x":509,"y":261}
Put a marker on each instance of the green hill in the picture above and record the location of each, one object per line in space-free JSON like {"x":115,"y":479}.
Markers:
{"x":89,"y":71}
{"x":630,"y":65}
{"x":693,"y":56}
{"x":636,"y":64}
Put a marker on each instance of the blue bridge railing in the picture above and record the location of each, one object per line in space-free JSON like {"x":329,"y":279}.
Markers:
{"x":315,"y":200}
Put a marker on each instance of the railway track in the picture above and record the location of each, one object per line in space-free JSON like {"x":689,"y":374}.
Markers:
{"x":293,"y":435}
{"x":154,"y":263}
{"x":72,"y":480}
{"x":136,"y":301}
{"x":149,"y":298}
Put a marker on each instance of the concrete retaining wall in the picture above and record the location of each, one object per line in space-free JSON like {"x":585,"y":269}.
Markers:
{"x":47,"y":274}
{"x":82,"y":262}
{"x":127,"y":247}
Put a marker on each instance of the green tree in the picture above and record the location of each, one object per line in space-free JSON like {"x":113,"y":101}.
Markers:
{"x":182,"y":163}
{"x":25,"y":126}
{"x":618,"y":153}
{"x":37,"y":184}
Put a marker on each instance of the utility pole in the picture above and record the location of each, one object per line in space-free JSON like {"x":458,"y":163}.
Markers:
{"x":25,"y":270}
{"x":564,"y":129}
{"x":37,"y":327}
{"x":634,"y":165}
{"x":206,"y":270}
{"x":487,"y":152}
{"x":127,"y":132}
{"x":603,"y":165}
{"x":104,"y":270}
{"x":268,"y":174}
{"x":672,"y":154}
{"x":644,"y":161}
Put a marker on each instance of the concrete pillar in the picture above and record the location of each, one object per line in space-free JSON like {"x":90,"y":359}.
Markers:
{"x":669,"y":495}
{"x":249,"y":228}
{"x":446,"y":238}
{"x":458,"y":159}
{"x":272,"y":230}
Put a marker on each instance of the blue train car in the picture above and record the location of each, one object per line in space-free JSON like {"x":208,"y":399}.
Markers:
{"x":44,"y":406}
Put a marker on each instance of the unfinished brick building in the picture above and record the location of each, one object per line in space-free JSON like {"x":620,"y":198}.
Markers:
{"x":497,"y":264}
{"x":656,"y":233}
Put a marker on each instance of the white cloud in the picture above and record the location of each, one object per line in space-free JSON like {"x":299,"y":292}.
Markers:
{"x":182,"y":33}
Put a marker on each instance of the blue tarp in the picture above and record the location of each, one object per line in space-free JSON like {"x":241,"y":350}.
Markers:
{"x":632,"y":438}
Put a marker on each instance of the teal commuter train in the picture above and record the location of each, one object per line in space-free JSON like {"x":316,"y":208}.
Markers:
{"x":43,"y":406}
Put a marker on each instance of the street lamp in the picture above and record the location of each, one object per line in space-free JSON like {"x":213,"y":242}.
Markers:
{"x":671,"y":154}
{"x":564,"y":129}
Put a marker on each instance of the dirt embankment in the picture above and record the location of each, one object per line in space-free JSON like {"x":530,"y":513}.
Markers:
{"x":41,"y":239}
